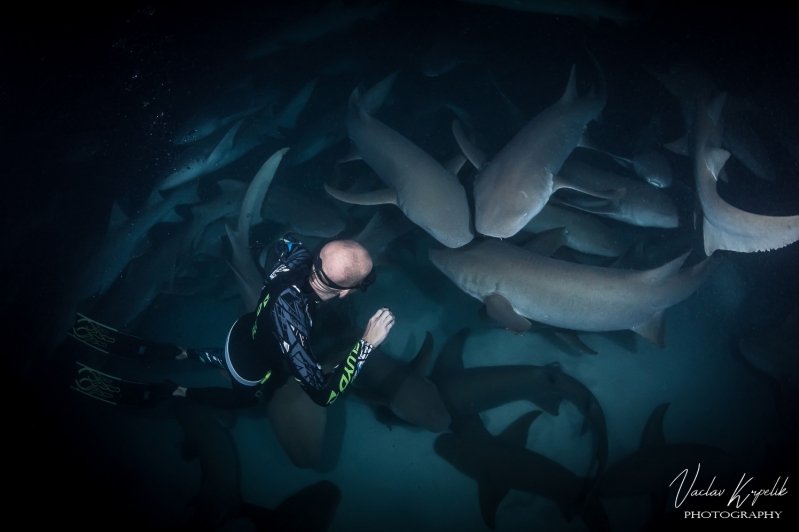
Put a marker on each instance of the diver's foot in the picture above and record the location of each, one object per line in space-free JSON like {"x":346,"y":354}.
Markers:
{"x":165,"y":390}
{"x":183,"y":354}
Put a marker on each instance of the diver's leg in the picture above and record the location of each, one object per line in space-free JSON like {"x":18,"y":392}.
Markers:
{"x":239,"y":396}
{"x":207,"y":355}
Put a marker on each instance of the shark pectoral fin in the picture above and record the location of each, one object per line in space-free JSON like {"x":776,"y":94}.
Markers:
{"x":653,"y":329}
{"x":352,"y":155}
{"x":548,"y":242}
{"x":613,"y":194}
{"x":490,"y":495}
{"x":423,"y":359}
{"x":585,"y":426}
{"x":573,"y":341}
{"x":723,"y":176}
{"x":627,"y":163}
{"x":474,"y":154}
{"x":679,"y":146}
{"x":588,"y":204}
{"x":714,"y":238}
{"x":450,"y":358}
{"x":715,"y":159}
{"x":588,"y":145}
{"x":653,"y":436}
{"x":548,"y":403}
{"x":376,"y":197}
{"x":500,"y":309}
{"x":516,"y":433}
{"x":455,"y":164}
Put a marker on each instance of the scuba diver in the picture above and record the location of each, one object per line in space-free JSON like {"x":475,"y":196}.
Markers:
{"x":264,"y":349}
{"x":270,"y":344}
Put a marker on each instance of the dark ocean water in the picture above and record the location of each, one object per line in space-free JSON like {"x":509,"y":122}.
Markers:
{"x":92,"y":100}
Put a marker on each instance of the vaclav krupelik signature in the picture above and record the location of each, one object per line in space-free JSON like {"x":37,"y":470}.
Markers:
{"x":739,"y":496}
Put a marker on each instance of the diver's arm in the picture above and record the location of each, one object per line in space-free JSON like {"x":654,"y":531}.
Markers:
{"x":292,"y":257}
{"x":378,"y":327}
{"x":292,"y":336}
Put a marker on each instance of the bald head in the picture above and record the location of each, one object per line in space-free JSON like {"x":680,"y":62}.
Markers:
{"x":345,"y":262}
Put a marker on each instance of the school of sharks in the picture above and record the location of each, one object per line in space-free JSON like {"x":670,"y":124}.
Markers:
{"x":590,"y":249}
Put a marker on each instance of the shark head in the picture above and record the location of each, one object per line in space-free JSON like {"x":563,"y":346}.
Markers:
{"x":502,"y":219}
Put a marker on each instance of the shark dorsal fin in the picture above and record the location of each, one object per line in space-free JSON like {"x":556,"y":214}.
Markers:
{"x":154,"y":198}
{"x":375,"y":197}
{"x":715,"y":159}
{"x":288,"y":117}
{"x":661,"y":273}
{"x":547,"y":242}
{"x":118,"y":218}
{"x":515,"y":434}
{"x":352,"y":155}
{"x":225,"y":145}
{"x":652,"y":436}
{"x":570,"y":94}
{"x":474,"y":154}
{"x":450,"y":358}
{"x":355,"y":98}
{"x":421,"y":362}
{"x":373,"y":99}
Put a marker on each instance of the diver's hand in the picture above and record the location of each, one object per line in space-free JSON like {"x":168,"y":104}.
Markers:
{"x":378,"y":327}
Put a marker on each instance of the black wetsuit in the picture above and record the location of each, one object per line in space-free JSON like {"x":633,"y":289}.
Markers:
{"x":271,"y":344}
